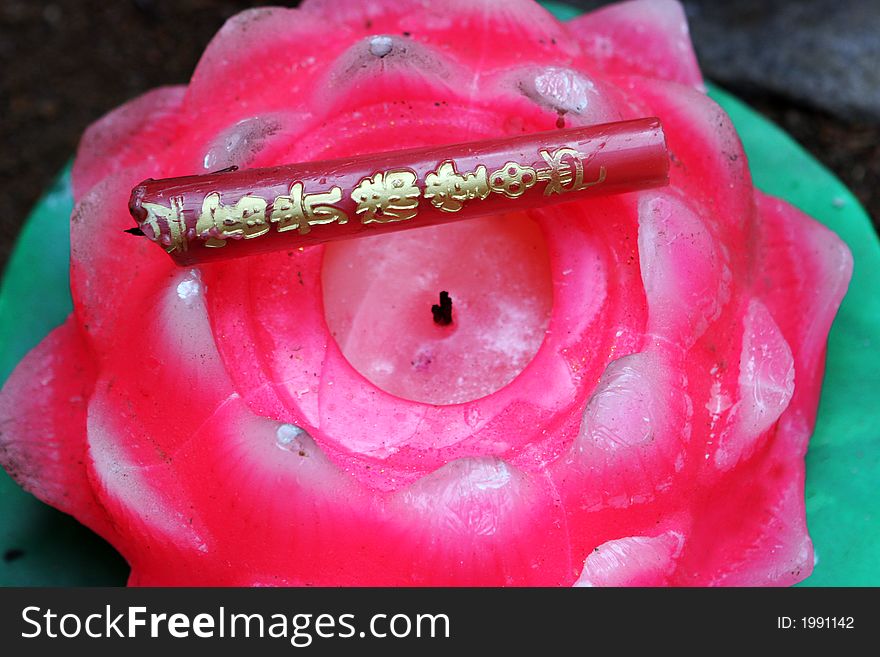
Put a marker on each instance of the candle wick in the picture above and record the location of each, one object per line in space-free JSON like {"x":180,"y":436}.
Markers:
{"x":443,"y":311}
{"x":230,"y":169}
{"x":134,"y":231}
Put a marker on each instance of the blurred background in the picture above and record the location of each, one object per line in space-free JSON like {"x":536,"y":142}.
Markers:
{"x":812,"y":66}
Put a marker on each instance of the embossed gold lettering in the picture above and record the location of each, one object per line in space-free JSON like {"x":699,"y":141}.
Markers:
{"x":565,"y":172}
{"x":387,"y":197}
{"x":175,"y":237}
{"x":246,"y":219}
{"x":448,"y":190}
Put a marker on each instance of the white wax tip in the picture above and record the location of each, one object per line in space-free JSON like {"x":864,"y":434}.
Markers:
{"x":189,"y":288}
{"x":290,"y":437}
{"x":381,"y":46}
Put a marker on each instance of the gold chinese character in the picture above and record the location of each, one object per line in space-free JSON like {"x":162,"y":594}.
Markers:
{"x":448,"y":189}
{"x":565,"y":176}
{"x":319,"y":208}
{"x":299,"y":211}
{"x":387,"y":197}
{"x":175,"y":237}
{"x":512,"y":179}
{"x":287,"y":211}
{"x":217,"y":222}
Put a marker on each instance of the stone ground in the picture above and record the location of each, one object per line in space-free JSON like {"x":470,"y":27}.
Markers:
{"x":807,"y":65}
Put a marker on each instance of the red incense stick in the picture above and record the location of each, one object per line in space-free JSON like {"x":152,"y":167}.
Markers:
{"x":242,"y":212}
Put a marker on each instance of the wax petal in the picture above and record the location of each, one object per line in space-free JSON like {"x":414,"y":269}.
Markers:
{"x":484,"y":512}
{"x":708,"y":164}
{"x":43,"y":425}
{"x":468,"y":29}
{"x":109,"y":273}
{"x":270,"y":365}
{"x":686,"y":280}
{"x":805,"y":273}
{"x":646,"y":37}
{"x":632,"y":438}
{"x":305,"y":523}
{"x":262,"y":49}
{"x":751,"y":530}
{"x":144,"y":410}
{"x":766,"y":384}
{"x":246,"y":142}
{"x":179,"y":381}
{"x":131,"y":480}
{"x":282,"y":501}
{"x":632,"y":561}
{"x":138,"y":130}
{"x":404,"y":69}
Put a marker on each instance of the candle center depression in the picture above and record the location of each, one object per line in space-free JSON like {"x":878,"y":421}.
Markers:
{"x":378,"y":293}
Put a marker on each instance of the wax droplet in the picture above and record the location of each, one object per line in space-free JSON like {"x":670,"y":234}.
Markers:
{"x":381,"y":46}
{"x":562,"y":89}
{"x":292,"y":438}
{"x":239,"y":144}
{"x":190,"y":287}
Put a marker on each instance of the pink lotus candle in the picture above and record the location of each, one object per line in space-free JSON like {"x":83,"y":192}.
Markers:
{"x":623,"y":395}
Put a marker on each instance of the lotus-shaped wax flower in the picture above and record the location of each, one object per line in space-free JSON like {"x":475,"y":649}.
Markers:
{"x":624,"y":396}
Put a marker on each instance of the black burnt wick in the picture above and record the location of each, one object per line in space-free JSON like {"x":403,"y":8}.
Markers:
{"x":134,"y":231}
{"x":443,"y":312}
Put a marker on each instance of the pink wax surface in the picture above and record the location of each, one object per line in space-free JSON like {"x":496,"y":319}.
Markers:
{"x":378,"y":293}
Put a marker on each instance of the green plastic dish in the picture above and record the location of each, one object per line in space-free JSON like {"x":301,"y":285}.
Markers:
{"x":43,"y":547}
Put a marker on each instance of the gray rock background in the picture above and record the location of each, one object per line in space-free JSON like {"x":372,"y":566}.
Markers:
{"x":823,"y":53}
